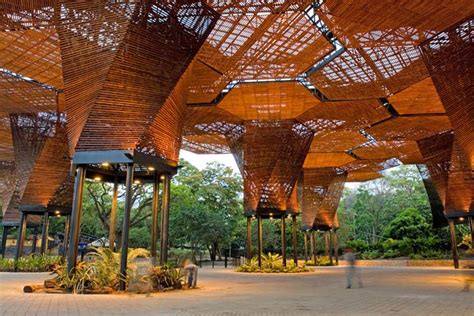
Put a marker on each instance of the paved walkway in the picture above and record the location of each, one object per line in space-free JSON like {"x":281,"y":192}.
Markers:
{"x":387,"y":290}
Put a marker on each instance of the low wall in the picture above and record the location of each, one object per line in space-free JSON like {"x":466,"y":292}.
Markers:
{"x":410,"y":263}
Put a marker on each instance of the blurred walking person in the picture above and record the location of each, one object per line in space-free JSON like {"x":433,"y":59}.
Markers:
{"x":351,"y":270}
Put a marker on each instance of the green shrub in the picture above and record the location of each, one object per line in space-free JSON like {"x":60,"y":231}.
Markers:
{"x":370,"y":255}
{"x":357,"y":245}
{"x":322,"y":261}
{"x":165,"y":277}
{"x":272,"y":263}
{"x":32,"y":263}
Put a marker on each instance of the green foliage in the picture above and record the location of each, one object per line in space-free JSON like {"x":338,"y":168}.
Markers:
{"x":32,"y":263}
{"x":165,"y":277}
{"x":322,"y":261}
{"x":103,"y":271}
{"x":272,"y":263}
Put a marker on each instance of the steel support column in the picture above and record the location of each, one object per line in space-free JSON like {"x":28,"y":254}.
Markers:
{"x":44,"y":233}
{"x":471,"y":225}
{"x":21,"y":237}
{"x":336,"y":247}
{"x":330,"y":235}
{"x":113,"y":215}
{"x":154,"y":216}
{"x":126,"y":227}
{"x":260,"y":240}
{"x":293,"y":240}
{"x":249,"y":238}
{"x":76,"y":218}
{"x":4,"y":240}
{"x":165,"y":216}
{"x":283,"y":239}
{"x":326,"y":244}
{"x":66,"y":234}
{"x":35,"y":239}
{"x":314,"y":249}
{"x":305,"y":234}
{"x":454,"y":244}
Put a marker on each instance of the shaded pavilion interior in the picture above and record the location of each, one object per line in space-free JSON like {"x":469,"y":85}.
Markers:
{"x":307,"y":95}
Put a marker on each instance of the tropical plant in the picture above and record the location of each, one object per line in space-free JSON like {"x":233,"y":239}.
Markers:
{"x":272,"y":263}
{"x":32,"y":263}
{"x":165,"y":277}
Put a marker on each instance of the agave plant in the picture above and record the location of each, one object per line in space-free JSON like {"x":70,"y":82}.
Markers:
{"x":271,"y":261}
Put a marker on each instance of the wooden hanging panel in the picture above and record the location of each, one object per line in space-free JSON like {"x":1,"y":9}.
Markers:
{"x":449,"y":57}
{"x":324,"y":160}
{"x":50,"y":170}
{"x":410,"y":128}
{"x":20,"y":96}
{"x":421,"y":97}
{"x":352,"y":115}
{"x":6,"y":141}
{"x":268,"y":101}
{"x":163,"y":137}
{"x":34,"y":54}
{"x":337,"y":141}
{"x":17,"y":15}
{"x":86,"y":59}
{"x":273,"y":155}
{"x":153,"y":55}
{"x":405,"y":151}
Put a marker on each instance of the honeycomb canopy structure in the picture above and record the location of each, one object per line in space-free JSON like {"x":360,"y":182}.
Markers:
{"x":306,"y":95}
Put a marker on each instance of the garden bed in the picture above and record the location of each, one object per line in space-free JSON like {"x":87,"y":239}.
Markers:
{"x":272,"y":264}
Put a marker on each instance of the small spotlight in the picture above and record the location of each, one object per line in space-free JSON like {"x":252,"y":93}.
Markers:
{"x":162,"y":177}
{"x":253,"y":216}
{"x":289,"y":216}
{"x":151,"y":168}
{"x":461,"y":219}
{"x":137,"y":181}
{"x":271,"y":214}
{"x":97,"y":179}
{"x":59,"y":215}
{"x":105,"y":164}
{"x":56,"y":212}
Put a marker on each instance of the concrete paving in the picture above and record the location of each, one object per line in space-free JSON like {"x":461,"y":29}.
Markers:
{"x":387,"y":291}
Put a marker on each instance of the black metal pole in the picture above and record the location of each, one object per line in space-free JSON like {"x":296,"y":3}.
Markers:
{"x":66,"y":235}
{"x":76,"y":218}
{"x":126,"y":228}
{"x":330,"y":235}
{"x":260,"y":240}
{"x":113,"y":215}
{"x":249,"y":238}
{"x":454,"y":245}
{"x":471,"y":225}
{"x":283,"y":239}
{"x":336,"y":247}
{"x":165,"y":216}
{"x":326,"y":244}
{"x":293,"y":240}
{"x":4,"y":239}
{"x":305,"y":246}
{"x":314,"y":245}
{"x":21,"y":237}
{"x":44,"y":233}
{"x":154,"y":216}
{"x":35,"y":239}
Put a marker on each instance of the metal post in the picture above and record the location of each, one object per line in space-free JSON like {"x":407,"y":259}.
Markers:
{"x":336,"y":247}
{"x":21,"y":237}
{"x":4,"y":239}
{"x":154,"y":216}
{"x":66,"y":234}
{"x":126,"y":227}
{"x":314,"y":245}
{"x":44,"y":233}
{"x":454,"y":244}
{"x":283,"y":239}
{"x":293,"y":240}
{"x":471,"y":225}
{"x":326,"y":244}
{"x":76,"y":218}
{"x":35,"y":239}
{"x":260,"y":240}
{"x":249,"y":238}
{"x":311,"y":245}
{"x":329,"y":233}
{"x":305,"y":246}
{"x":165,"y":216}
{"x":113,"y":215}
